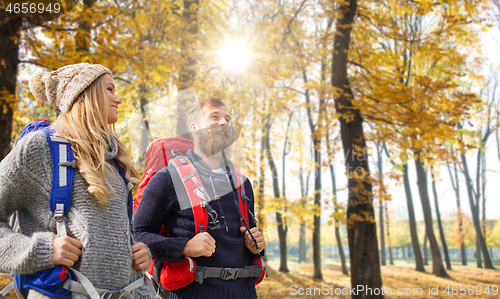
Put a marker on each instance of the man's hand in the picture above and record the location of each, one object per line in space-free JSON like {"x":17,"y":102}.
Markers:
{"x":259,"y":237}
{"x":140,"y":256}
{"x":66,"y":251}
{"x":200,"y":245}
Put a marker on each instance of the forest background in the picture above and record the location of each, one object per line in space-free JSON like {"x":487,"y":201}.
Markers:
{"x":369,"y":129}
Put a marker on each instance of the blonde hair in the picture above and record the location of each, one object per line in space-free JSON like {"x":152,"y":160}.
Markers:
{"x":85,"y":125}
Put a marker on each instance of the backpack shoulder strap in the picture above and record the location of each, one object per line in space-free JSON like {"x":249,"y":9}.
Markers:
{"x":130,"y":186}
{"x":198,"y":196}
{"x":243,"y":199}
{"x":63,"y":172}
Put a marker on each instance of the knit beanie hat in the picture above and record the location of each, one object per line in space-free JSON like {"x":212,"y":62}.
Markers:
{"x":63,"y":86}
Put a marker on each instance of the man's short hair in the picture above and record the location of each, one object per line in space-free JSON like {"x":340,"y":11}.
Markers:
{"x":195,"y":114}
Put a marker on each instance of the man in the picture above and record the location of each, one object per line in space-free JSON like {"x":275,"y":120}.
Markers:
{"x":224,"y":243}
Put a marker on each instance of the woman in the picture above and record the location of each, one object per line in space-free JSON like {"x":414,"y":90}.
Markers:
{"x":99,"y":242}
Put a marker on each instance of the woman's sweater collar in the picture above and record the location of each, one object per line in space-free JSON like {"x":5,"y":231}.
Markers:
{"x":112,"y":149}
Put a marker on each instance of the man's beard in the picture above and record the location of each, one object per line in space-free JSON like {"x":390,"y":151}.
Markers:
{"x":212,"y":142}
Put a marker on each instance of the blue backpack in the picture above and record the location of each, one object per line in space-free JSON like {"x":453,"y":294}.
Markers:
{"x":60,"y":280}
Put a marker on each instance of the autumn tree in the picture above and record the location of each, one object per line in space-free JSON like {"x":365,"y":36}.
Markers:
{"x":382,"y":196}
{"x":361,"y":228}
{"x":439,"y":222}
{"x":456,"y":187}
{"x":403,"y":167}
{"x":9,"y":41}
{"x":337,"y":213}
{"x":412,"y":97}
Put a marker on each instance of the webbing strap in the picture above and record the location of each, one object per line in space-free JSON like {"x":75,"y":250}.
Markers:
{"x":86,"y":284}
{"x":229,"y":273}
{"x":87,"y":288}
{"x":187,"y":177}
{"x":16,"y":290}
{"x":200,"y":194}
{"x":6,"y":290}
{"x":148,"y":279}
{"x":200,"y":187}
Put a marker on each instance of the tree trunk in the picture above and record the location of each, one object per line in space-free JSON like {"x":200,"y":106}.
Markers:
{"x":262,"y":179}
{"x":146,"y":137}
{"x":455,"y":184}
{"x":479,"y":264}
{"x":316,"y":234}
{"x":426,"y":259}
{"x":316,"y":137}
{"x":361,"y":230}
{"x":478,"y":209}
{"x":188,"y":63}
{"x":475,"y":218}
{"x":302,"y":236}
{"x":282,"y":231}
{"x":437,"y":264}
{"x":419,"y":263}
{"x":9,"y":49}
{"x":259,"y":199}
{"x":391,"y":260}
{"x":381,"y":201}
{"x":483,"y":187}
{"x":440,"y":224}
{"x":337,"y":232}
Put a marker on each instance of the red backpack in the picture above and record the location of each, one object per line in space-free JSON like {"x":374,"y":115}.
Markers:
{"x":172,"y":151}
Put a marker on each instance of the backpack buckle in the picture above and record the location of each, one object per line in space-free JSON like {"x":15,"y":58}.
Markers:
{"x":200,"y":274}
{"x":175,"y":152}
{"x":59,"y":212}
{"x":229,"y":273}
{"x":245,"y":198}
{"x":71,"y":164}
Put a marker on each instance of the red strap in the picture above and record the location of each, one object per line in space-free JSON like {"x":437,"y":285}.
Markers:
{"x":241,"y":188}
{"x":164,"y":154}
{"x":200,"y":213}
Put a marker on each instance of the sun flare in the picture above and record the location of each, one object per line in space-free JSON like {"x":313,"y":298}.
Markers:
{"x":235,"y":57}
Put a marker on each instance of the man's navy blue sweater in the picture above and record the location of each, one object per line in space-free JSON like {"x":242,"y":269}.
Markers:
{"x":160,"y":206}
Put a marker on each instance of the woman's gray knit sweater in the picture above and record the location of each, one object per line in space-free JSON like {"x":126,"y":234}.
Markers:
{"x":25,"y":184}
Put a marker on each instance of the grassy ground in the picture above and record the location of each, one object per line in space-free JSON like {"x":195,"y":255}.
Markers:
{"x":400,"y":276}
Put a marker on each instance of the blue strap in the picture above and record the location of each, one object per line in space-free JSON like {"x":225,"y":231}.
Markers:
{"x":131,"y":197}
{"x":33,"y":126}
{"x":60,"y":194}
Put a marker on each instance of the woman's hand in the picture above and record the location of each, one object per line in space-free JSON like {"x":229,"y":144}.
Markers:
{"x":66,"y":251}
{"x":140,"y":256}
